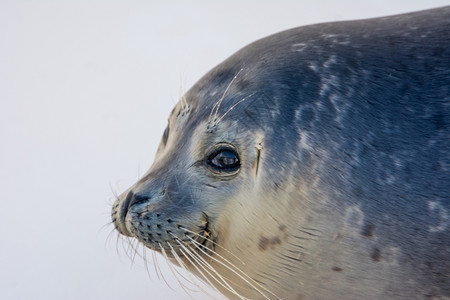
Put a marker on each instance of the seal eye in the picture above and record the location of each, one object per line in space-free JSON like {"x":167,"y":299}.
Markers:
{"x":224,"y":159}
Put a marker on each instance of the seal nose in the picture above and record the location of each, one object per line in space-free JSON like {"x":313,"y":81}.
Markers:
{"x":130,"y":200}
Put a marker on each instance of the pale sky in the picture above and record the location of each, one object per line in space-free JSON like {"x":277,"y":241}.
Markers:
{"x":85,"y":90}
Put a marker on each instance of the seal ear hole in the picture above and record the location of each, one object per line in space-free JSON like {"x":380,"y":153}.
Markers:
{"x":224,"y":159}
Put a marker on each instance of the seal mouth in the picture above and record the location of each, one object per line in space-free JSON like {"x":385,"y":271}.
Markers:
{"x":201,"y":243}
{"x":163,"y":233}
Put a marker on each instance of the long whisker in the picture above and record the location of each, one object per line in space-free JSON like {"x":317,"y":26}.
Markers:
{"x":186,"y":289}
{"x":232,"y":107}
{"x":134,"y":247}
{"x":128,"y":247}
{"x":241,"y":274}
{"x":216,"y":106}
{"x":119,"y":237}
{"x":147,"y":269}
{"x":163,"y":251}
{"x":214,"y":243}
{"x":216,"y":276}
{"x":155,"y":259}
{"x":183,"y":265}
{"x":187,"y":254}
{"x":155,"y":264}
{"x":203,"y":264}
{"x":110,"y":234}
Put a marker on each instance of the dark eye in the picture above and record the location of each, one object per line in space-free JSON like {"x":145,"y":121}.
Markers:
{"x":224,"y":159}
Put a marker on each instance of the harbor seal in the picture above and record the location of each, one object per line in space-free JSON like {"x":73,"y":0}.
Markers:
{"x":311,"y":164}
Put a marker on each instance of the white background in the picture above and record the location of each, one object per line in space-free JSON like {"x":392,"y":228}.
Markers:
{"x":85,"y":91}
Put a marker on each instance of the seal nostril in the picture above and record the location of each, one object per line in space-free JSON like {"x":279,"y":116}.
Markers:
{"x":130,"y":200}
{"x":138,"y":199}
{"x":119,"y":215}
{"x":126,"y":204}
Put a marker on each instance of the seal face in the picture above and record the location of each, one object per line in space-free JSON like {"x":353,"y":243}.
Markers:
{"x":312,"y":164}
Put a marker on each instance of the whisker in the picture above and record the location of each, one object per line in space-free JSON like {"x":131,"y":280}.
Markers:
{"x":113,"y":191}
{"x":205,"y":265}
{"x":127,"y":248}
{"x":163,"y":251}
{"x":218,"y":103}
{"x":144,"y":255}
{"x":214,"y":243}
{"x":186,"y":255}
{"x":133,"y":247}
{"x":236,"y":270}
{"x":183,"y":265}
{"x":135,"y":250}
{"x":119,"y":237}
{"x":232,"y":107}
{"x":155,"y":259}
{"x":190,"y":252}
{"x":177,"y":258}
{"x":109,"y":237}
{"x":155,"y":264}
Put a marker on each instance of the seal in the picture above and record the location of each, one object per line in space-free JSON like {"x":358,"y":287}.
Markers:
{"x":311,"y":164}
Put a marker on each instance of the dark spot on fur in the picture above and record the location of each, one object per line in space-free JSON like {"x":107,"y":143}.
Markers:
{"x":337,"y":269}
{"x":282,"y":228}
{"x":275,"y":241}
{"x":368,"y":230}
{"x":376,"y":254}
{"x":265,"y":242}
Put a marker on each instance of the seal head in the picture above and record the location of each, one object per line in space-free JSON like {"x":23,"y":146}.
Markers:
{"x":312,"y":164}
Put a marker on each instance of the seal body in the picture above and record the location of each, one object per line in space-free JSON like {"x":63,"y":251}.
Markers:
{"x":312,"y":164}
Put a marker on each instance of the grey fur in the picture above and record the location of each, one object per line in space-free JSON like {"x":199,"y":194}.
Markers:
{"x":350,"y":196}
